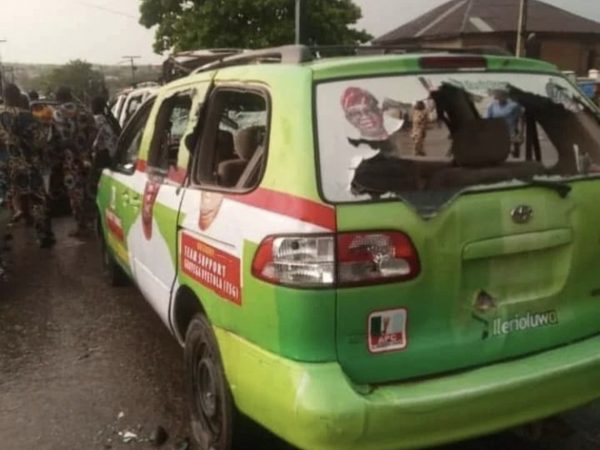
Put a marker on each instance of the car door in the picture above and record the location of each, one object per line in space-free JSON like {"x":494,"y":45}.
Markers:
{"x":214,"y":223}
{"x":118,"y":202}
{"x":479,"y":255}
{"x":160,"y":187}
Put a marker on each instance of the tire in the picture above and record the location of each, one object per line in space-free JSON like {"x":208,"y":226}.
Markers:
{"x":212,"y":411}
{"x":111,"y":271}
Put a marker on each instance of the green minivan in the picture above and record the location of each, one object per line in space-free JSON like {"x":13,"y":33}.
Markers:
{"x":372,"y":252}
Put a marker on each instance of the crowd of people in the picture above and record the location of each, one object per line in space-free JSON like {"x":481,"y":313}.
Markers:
{"x":38,"y":139}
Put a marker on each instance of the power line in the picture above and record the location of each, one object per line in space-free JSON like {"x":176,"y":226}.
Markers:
{"x":105,"y":9}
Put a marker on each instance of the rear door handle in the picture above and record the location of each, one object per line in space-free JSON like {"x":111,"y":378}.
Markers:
{"x":518,"y":243}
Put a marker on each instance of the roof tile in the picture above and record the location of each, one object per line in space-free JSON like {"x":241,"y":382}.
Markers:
{"x":458,"y":17}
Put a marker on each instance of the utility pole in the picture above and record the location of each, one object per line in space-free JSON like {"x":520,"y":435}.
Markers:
{"x":2,"y":41}
{"x":298,"y":21}
{"x":9,"y":74}
{"x":133,"y":68}
{"x":522,"y":30}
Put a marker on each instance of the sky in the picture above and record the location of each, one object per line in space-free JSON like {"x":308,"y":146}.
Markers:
{"x":103,"y":31}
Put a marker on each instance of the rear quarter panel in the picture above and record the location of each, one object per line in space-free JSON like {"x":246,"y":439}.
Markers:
{"x":299,"y":324}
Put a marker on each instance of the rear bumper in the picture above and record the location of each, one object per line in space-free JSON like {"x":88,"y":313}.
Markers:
{"x":315,"y":407}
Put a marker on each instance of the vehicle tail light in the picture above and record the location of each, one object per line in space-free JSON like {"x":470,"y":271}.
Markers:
{"x":453,"y":62}
{"x":346,"y":259}
{"x":372,"y":258}
{"x":302,"y":261}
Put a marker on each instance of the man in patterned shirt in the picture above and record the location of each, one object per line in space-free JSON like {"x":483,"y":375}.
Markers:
{"x":75,"y":131}
{"x":4,"y":211}
{"x":105,"y":144}
{"x":22,"y":138}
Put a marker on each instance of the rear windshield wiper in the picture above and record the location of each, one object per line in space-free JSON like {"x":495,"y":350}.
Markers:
{"x":562,"y":189}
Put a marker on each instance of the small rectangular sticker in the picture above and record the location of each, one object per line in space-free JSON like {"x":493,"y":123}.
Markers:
{"x":388,"y":331}
{"x":212,"y":268}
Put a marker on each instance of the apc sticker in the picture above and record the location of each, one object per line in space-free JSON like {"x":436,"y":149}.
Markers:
{"x":387,"y":331}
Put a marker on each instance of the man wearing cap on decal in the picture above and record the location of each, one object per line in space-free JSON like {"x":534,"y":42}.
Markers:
{"x":379,"y":168}
{"x":364,"y":114}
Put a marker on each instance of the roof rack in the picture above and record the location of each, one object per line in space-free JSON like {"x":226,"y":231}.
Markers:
{"x":146,"y":84}
{"x":183,"y":63}
{"x":363,"y":50}
{"x":298,"y":54}
{"x":287,"y":54}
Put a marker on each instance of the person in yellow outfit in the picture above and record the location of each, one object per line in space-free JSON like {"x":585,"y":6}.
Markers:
{"x":420,"y":119}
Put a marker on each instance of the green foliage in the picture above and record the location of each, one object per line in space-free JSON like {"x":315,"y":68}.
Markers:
{"x":193,"y":24}
{"x":39,"y":76}
{"x":80,"y":76}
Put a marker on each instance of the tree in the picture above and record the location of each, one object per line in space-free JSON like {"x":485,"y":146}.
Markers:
{"x":193,"y":24}
{"x":80,"y":76}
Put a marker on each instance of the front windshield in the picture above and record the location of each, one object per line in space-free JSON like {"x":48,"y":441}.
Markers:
{"x":427,"y":138}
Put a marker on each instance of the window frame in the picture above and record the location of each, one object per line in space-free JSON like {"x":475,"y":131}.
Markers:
{"x":138,"y":98}
{"x":384,"y":74}
{"x":206,"y":142}
{"x":165,"y":109}
{"x":130,"y":131}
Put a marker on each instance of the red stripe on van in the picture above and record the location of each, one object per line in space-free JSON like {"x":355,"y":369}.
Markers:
{"x":175,"y":174}
{"x":114,"y":226}
{"x":274,"y":201}
{"x":291,"y":206}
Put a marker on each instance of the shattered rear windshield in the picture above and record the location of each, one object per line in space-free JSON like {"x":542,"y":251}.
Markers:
{"x":426,"y":139}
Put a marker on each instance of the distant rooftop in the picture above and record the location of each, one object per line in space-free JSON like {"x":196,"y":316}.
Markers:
{"x":459,"y":17}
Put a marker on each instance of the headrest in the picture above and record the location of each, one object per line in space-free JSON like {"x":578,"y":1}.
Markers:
{"x":248,"y":140}
{"x":481,"y":143}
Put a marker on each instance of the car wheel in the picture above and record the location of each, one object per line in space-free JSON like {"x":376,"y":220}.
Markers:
{"x":211,"y":405}
{"x":113,"y":274}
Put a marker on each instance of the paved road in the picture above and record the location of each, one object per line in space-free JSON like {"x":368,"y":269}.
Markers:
{"x":74,"y":355}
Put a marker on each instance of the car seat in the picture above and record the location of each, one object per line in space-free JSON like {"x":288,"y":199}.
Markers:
{"x":246,"y":142}
{"x":481,"y":148}
{"x":225,"y":146}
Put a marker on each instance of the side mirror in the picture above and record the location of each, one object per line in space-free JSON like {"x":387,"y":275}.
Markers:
{"x":129,"y":167}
